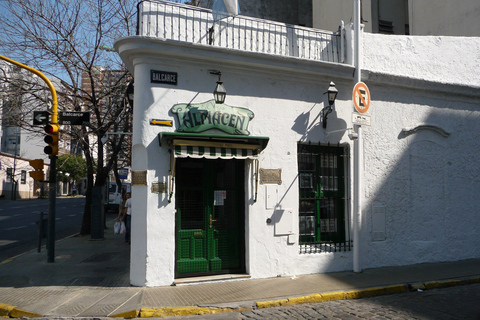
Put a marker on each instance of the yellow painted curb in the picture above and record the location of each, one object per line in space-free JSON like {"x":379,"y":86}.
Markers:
{"x":184,"y":311}
{"x":330,"y":296}
{"x":5,"y":309}
{"x":8,"y":311}
{"x":375,"y":291}
{"x":417,"y":286}
{"x":443,"y":284}
{"x":337,"y":295}
{"x":312,"y":298}
{"x":127,"y":315}
{"x":271,"y":303}
{"x":18,"y":313}
{"x":474,"y":280}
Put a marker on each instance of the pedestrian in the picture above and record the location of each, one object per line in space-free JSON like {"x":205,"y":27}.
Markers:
{"x":125,"y":215}
{"x":121,"y":209}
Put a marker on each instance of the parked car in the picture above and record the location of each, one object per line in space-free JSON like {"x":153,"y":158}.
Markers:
{"x":115,"y":195}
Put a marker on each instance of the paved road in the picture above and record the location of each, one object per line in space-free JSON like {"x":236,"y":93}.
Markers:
{"x":18,"y":229}
{"x":462,"y":302}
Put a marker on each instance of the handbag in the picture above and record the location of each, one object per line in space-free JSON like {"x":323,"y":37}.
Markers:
{"x":116,"y":227}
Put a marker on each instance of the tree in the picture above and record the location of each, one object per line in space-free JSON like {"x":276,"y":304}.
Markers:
{"x":71,"y":167}
{"x":64,"y":40}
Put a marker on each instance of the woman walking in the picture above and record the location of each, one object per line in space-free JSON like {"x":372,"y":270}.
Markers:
{"x":125,"y":215}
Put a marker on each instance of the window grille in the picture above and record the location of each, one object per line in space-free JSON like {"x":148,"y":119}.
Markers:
{"x":323,"y":223}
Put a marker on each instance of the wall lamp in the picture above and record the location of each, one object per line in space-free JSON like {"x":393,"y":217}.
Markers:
{"x":332,"y":95}
{"x":219,"y":93}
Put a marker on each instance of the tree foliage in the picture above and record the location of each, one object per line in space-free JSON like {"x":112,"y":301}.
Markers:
{"x":71,"y":167}
{"x":65,"y":40}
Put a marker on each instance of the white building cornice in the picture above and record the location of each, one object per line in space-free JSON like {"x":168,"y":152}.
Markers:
{"x":138,"y":49}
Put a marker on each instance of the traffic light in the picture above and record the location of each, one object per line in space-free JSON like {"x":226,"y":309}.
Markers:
{"x":37,"y":175}
{"x":51,"y":139}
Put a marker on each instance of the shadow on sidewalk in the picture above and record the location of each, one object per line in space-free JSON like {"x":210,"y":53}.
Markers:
{"x":79,"y":261}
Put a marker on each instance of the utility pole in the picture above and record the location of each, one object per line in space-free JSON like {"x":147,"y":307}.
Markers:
{"x":358,"y":151}
{"x":53,"y":157}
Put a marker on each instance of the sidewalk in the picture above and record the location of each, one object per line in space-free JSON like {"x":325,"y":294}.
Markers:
{"x":91,"y":279}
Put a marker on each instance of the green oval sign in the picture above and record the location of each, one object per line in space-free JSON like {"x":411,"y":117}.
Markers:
{"x":200,"y":117}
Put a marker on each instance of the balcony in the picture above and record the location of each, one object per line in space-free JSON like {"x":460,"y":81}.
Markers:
{"x":184,"y":23}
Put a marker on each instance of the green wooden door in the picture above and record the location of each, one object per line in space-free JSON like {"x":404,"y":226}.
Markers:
{"x":210,"y":216}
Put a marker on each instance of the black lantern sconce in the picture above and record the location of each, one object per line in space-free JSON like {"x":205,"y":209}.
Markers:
{"x":219,"y":93}
{"x":332,"y":95}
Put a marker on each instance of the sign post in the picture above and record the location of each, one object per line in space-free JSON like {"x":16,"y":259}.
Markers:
{"x":361,"y":102}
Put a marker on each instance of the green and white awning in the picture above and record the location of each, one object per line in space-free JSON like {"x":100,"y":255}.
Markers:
{"x":183,"y":145}
{"x":206,"y":146}
{"x":214,"y":152}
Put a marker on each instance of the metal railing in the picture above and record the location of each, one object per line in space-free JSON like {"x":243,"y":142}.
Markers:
{"x":173,"y":21}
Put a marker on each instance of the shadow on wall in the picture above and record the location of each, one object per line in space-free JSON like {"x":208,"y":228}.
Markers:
{"x":421,"y":175}
{"x":421,"y":178}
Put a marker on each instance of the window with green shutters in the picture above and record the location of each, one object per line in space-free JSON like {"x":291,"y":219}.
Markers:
{"x":323,"y":222}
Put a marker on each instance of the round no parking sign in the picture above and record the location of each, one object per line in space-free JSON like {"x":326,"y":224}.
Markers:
{"x":361,"y":97}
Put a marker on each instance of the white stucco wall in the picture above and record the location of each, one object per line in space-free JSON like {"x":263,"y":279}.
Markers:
{"x":419,"y":188}
{"x":424,"y":182}
{"x":421,"y":184}
{"x":454,"y":60}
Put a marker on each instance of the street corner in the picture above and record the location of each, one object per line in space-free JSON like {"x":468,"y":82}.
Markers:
{"x":9,"y":311}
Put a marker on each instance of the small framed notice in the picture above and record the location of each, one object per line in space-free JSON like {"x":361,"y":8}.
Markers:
{"x":219,"y":197}
{"x":159,"y":187}
{"x":270,"y":176}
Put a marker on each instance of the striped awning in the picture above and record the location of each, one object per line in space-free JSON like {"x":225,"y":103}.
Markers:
{"x":214,"y":153}
{"x":188,"y":145}
{"x":208,"y":146}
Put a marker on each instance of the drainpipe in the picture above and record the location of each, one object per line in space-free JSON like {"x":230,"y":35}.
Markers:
{"x":358,"y":151}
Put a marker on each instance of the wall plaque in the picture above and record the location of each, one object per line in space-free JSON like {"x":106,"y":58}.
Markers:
{"x":270,"y":176}
{"x":159,"y":187}
{"x":139,"y":177}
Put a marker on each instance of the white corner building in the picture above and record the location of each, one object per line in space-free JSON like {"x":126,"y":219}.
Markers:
{"x":264,"y":184}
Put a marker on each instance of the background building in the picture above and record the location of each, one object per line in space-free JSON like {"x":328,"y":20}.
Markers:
{"x":20,"y":141}
{"x":296,"y":12}
{"x":407,"y":17}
